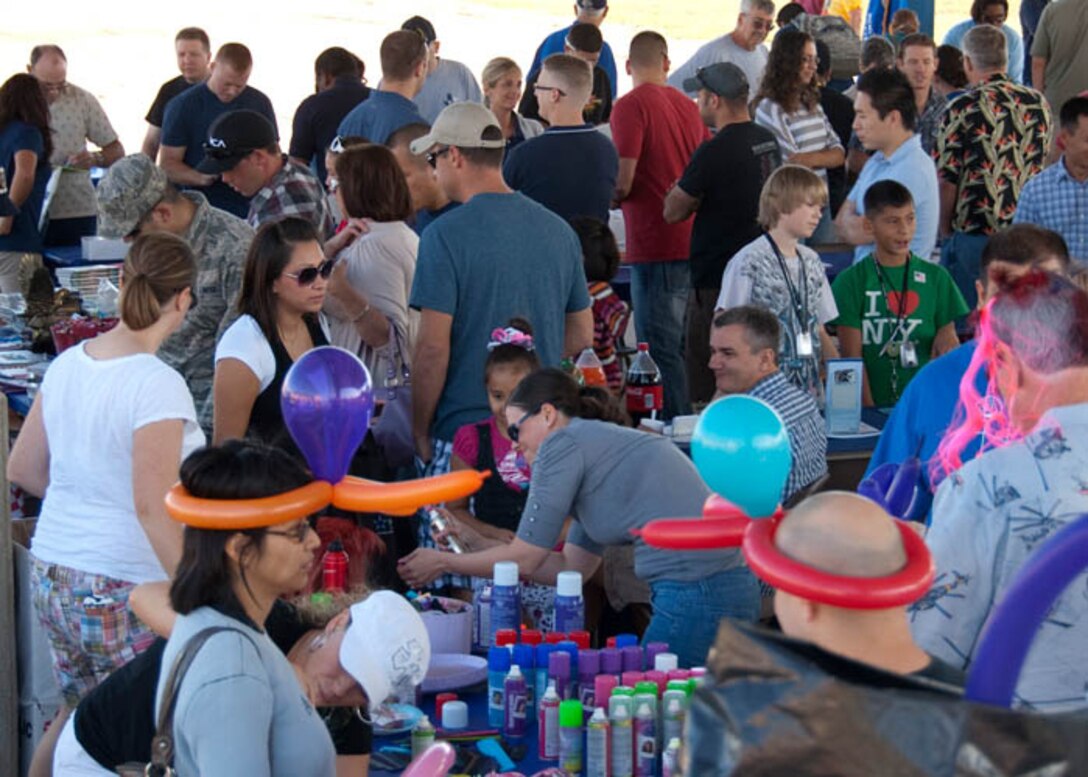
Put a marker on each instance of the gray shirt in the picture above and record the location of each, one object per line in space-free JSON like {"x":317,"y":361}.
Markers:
{"x":724,"y":49}
{"x":612,"y":479}
{"x":240,"y":709}
{"x":451,"y":82}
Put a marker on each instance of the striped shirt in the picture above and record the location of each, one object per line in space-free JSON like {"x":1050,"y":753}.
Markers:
{"x":799,"y":132}
{"x":805,"y":426}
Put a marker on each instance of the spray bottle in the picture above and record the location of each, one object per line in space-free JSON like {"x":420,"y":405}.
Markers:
{"x":514,"y":704}
{"x":570,"y":737}
{"x":548,"y":731}
{"x":623,"y":747}
{"x":645,"y":742}
{"x":598,"y":744}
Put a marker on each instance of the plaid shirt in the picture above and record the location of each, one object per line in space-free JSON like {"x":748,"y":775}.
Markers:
{"x":805,"y":426}
{"x":293,"y":191}
{"x":1056,"y":200}
{"x":929,"y":123}
{"x":993,"y":140}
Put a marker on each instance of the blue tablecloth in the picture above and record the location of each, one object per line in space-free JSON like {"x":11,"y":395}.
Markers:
{"x":476,"y":698}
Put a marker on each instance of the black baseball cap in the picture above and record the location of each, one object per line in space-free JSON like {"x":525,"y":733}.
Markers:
{"x":722,"y":78}
{"x":234,"y":136}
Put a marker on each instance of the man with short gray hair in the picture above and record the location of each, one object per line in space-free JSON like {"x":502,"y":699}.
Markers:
{"x":743,"y":46}
{"x":998,"y":122}
{"x":136,"y":197}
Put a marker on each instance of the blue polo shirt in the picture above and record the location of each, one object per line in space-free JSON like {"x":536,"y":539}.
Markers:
{"x":382,"y":114}
{"x":569,"y":170}
{"x":911,"y":166}
{"x":188,"y":118}
{"x":1057,"y":201}
{"x":19,"y":136}
{"x":555,"y":44}
{"x":923,"y":415}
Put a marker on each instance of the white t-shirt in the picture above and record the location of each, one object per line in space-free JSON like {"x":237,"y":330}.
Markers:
{"x":245,"y":342}
{"x":91,"y":409}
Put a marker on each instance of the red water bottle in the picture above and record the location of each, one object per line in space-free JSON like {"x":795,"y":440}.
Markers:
{"x":334,"y":567}
{"x":645,"y":392}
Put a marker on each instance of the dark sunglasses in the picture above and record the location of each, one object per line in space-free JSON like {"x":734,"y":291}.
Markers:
{"x":309,"y":275}
{"x":432,"y":158}
{"x":514,"y":430}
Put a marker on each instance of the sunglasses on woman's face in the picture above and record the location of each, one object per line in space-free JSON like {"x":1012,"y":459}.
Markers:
{"x":514,"y":430}
{"x":309,"y":275}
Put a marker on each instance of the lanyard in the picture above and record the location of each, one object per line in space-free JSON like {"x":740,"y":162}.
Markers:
{"x":796,"y":302}
{"x":885,"y":283}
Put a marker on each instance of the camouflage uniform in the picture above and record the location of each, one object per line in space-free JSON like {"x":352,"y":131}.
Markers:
{"x":220,"y":241}
{"x":128,"y":193}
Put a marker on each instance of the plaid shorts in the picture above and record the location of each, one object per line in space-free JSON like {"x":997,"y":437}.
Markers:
{"x":90,"y":627}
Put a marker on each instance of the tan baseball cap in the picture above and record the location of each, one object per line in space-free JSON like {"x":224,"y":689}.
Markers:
{"x":461,"y":125}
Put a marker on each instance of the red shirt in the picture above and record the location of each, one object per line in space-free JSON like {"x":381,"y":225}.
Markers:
{"x":660,"y":127}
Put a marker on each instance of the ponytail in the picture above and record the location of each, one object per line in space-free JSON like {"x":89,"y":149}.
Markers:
{"x":158,"y":267}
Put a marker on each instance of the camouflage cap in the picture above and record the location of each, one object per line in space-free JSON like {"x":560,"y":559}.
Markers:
{"x":131,"y":188}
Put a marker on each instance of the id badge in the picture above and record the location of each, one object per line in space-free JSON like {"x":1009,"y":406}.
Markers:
{"x":908,"y":356}
{"x":804,"y":344}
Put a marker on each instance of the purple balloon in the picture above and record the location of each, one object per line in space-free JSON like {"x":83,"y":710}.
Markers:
{"x":1013,"y":623}
{"x":327,"y":401}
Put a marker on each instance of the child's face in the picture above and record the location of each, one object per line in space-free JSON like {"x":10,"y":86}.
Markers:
{"x":501,"y":382}
{"x":802,"y":221}
{"x":893,"y":229}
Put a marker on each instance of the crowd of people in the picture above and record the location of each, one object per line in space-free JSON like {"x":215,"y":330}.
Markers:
{"x":463,"y":238}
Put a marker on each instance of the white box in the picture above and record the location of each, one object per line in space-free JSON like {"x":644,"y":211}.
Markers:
{"x":104,"y":249}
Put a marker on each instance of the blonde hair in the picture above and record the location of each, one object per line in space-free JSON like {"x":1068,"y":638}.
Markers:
{"x":788,"y":188}
{"x":158,"y":266}
{"x":494,"y":71}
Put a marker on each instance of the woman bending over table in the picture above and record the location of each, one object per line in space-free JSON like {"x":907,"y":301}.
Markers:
{"x":609,"y":479}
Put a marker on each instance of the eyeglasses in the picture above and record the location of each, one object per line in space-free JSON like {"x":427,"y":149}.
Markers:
{"x":309,"y":275}
{"x":54,"y":88}
{"x":544,"y":88}
{"x":432,"y":158}
{"x":297,"y":534}
{"x":760,"y":25}
{"x":514,"y":430}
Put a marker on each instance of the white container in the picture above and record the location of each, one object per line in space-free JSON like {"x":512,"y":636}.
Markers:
{"x":104,"y":249}
{"x":449,"y":632}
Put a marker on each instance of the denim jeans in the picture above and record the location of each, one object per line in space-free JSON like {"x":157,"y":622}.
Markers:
{"x":961,"y":255}
{"x":659,"y":296}
{"x":686,"y":614}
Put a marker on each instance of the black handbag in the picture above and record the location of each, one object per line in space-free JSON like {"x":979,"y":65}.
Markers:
{"x":393,"y":429}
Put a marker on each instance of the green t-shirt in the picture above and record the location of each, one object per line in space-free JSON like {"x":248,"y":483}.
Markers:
{"x":932,"y":300}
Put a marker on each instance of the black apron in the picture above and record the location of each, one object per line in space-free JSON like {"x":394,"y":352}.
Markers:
{"x":495,"y":503}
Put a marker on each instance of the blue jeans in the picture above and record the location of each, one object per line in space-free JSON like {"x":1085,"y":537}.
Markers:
{"x":961,"y":255}
{"x":659,"y":296}
{"x":686,"y":614}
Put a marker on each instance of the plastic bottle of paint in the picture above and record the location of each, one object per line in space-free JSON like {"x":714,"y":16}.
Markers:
{"x":626,"y":640}
{"x":481,"y":627}
{"x":505,"y":598}
{"x":524,"y":657}
{"x":581,"y":639}
{"x":602,"y":689}
{"x":612,"y":662}
{"x":570,"y":607}
{"x":645,"y":742}
{"x":589,"y":664}
{"x":570,"y":737}
{"x":514,"y":713}
{"x":571,"y":649}
{"x":548,"y":732}
{"x":632,"y":658}
{"x":673,"y":720}
{"x":670,"y":760}
{"x":653,"y":650}
{"x":623,"y":746}
{"x":559,"y":673}
{"x":498,"y":665}
{"x":422,"y":736}
{"x":598,"y":744}
{"x":666,"y":662}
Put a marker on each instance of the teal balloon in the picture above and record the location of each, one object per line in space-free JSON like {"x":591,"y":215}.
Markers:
{"x":742,"y":450}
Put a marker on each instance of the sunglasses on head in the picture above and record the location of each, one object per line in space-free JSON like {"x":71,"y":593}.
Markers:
{"x":309,"y":275}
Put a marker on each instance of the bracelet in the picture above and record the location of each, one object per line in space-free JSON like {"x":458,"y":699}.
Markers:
{"x":361,"y":314}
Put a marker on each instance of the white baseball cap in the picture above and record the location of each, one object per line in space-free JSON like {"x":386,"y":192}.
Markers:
{"x":386,"y":647}
{"x":462,"y":125}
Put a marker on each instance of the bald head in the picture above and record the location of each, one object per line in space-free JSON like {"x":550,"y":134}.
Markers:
{"x":842,"y":533}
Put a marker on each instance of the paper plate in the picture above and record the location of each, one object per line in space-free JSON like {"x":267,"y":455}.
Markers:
{"x":450,"y":671}
{"x":406,"y":718}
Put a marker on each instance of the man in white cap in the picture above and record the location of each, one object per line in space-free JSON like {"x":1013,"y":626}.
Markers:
{"x":498,"y":256}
